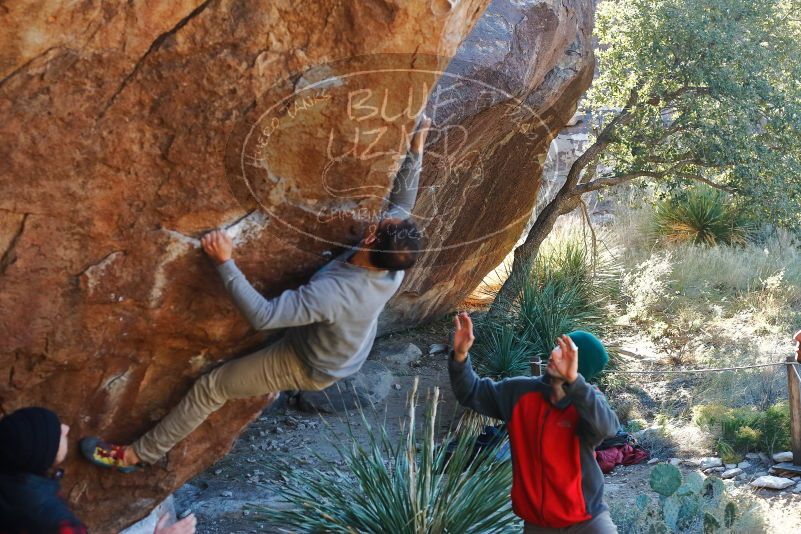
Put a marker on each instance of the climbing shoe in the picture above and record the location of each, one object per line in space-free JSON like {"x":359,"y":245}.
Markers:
{"x":105,"y":454}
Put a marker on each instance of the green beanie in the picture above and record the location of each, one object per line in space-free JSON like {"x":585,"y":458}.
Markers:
{"x":592,"y":354}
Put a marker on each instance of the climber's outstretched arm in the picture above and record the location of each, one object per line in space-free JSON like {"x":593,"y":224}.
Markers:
{"x":404,"y":190}
{"x":310,"y":303}
{"x":407,"y":181}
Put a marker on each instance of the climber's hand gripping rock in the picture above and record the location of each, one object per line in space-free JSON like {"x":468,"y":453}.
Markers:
{"x":218,"y":245}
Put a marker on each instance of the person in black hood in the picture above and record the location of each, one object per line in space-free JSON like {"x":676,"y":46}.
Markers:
{"x":32,"y":445}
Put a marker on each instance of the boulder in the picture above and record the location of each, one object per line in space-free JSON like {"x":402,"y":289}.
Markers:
{"x":129,"y":129}
{"x":771,"y":482}
{"x":710,"y":462}
{"x":786,"y":456}
{"x":513,"y":85}
{"x":396,"y":354}
{"x":366,"y":388}
{"x":731,"y":473}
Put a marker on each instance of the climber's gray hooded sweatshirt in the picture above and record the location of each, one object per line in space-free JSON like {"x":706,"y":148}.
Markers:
{"x":331,"y":321}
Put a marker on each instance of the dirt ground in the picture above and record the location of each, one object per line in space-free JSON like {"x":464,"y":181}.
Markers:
{"x":219,"y":496}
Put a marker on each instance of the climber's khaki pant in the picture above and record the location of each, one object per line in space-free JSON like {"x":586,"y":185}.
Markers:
{"x":273,"y":369}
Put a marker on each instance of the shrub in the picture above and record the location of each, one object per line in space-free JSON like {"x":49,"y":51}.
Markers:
{"x":568,"y":288}
{"x":747,"y":429}
{"x":646,"y":288}
{"x":702,"y":216}
{"x":399,"y":487}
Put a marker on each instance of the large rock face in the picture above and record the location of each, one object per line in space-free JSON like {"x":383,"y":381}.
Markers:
{"x":513,"y":84}
{"x":129,"y":129}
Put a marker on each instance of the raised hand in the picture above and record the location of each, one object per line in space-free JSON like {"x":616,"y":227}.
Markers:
{"x":218,"y":246}
{"x":462,"y":336}
{"x":563,"y":363}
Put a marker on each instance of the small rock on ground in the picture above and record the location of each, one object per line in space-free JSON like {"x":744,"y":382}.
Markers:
{"x":709,"y":462}
{"x":397,"y":354}
{"x":771,"y":482}
{"x":731,"y":473}
{"x":786,"y":456}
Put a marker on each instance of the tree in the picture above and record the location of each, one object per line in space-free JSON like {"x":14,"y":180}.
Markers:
{"x":689,"y":91}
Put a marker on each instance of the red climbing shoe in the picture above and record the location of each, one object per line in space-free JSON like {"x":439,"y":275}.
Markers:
{"x":105,"y":454}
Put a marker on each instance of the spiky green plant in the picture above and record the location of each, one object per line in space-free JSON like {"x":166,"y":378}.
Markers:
{"x":500,"y":353}
{"x":398,"y":486}
{"x":702,"y":216}
{"x":567,"y":290}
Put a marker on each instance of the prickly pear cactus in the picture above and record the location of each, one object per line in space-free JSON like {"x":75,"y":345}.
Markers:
{"x":670,"y":510}
{"x":713,"y":490}
{"x":729,"y":514}
{"x":665,"y":479}
{"x":711,"y":524}
{"x":686,"y":504}
{"x":693,"y":483}
{"x":690,"y":510}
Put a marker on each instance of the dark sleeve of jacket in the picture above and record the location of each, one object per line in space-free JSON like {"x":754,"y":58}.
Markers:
{"x":485,"y":396}
{"x":598,"y":420}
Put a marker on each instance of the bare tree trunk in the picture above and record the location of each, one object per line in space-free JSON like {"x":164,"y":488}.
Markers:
{"x":525,"y":254}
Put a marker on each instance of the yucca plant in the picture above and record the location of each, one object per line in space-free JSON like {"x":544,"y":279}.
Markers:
{"x":566,"y":291}
{"x":703,"y":216}
{"x":500,"y":353}
{"x":553,"y":309}
{"x":396,"y":485}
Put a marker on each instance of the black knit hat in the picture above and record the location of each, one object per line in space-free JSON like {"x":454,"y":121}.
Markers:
{"x":29,"y":440}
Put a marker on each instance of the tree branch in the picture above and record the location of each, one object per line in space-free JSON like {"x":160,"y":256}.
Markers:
{"x":601,"y":142}
{"x":610,"y":181}
{"x":710,"y":183}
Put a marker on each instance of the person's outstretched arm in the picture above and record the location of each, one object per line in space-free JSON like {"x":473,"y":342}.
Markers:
{"x":310,"y":303}
{"x":407,"y":181}
{"x":485,"y":396}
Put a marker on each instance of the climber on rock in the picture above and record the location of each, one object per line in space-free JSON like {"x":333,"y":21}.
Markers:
{"x":33,"y":443}
{"x":330,"y":323}
{"x":555,"y":422}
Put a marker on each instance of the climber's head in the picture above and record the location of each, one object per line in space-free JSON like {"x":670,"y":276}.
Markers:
{"x":32,"y":440}
{"x":394,"y":244}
